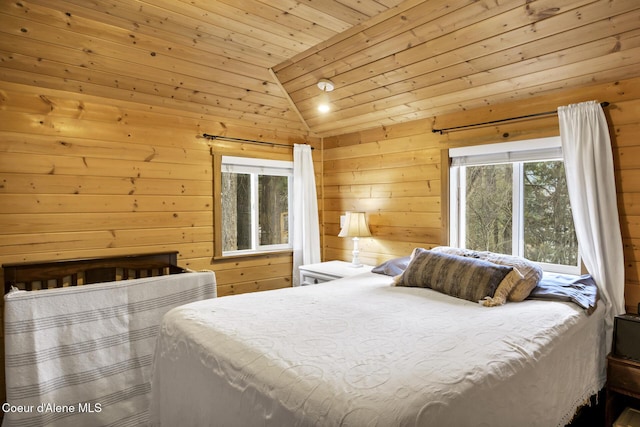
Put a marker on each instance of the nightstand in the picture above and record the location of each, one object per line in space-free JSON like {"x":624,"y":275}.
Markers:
{"x":312,"y":274}
{"x":623,"y":387}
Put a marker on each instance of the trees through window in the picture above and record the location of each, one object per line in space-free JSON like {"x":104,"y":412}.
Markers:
{"x":514,"y":202}
{"x":255,"y":204}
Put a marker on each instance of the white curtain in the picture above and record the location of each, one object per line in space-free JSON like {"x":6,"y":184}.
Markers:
{"x":588,"y":163}
{"x":306,"y":227}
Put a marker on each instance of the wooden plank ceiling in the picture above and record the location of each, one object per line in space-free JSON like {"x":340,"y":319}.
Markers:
{"x":257,"y":62}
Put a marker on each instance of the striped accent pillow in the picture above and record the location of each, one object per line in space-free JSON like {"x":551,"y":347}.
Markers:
{"x":467,"y":278}
{"x":519,"y":291}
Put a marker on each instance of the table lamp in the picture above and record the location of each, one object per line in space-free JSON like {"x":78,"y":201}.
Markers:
{"x":355,"y":226}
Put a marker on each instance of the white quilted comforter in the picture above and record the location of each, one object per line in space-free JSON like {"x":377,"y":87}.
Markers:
{"x":359,"y":352}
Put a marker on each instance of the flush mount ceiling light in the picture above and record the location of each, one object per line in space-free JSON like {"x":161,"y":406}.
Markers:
{"x":325,"y":85}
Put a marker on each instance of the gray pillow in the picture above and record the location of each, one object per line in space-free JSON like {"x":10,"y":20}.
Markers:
{"x":393,"y":267}
{"x":467,"y":278}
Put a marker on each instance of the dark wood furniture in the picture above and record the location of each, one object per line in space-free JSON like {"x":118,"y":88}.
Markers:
{"x":623,"y":387}
{"x":56,"y":274}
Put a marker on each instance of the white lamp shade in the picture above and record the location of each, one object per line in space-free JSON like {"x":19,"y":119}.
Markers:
{"x":355,"y":225}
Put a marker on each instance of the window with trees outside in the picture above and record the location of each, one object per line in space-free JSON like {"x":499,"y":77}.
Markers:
{"x":512,"y":198}
{"x":255,"y":205}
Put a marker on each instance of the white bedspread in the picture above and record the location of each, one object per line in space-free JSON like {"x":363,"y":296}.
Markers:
{"x":359,"y":352}
{"x":82,"y":356}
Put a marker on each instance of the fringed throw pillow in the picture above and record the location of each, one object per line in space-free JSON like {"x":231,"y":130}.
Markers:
{"x":461,"y":277}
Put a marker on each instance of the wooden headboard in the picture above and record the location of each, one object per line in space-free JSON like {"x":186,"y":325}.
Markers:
{"x":74,"y":272}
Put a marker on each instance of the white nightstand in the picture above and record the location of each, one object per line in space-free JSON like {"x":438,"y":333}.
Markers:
{"x":312,"y":274}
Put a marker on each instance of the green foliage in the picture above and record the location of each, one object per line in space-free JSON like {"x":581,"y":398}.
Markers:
{"x":549,"y":234}
{"x":237,"y":215}
{"x":489,"y":208}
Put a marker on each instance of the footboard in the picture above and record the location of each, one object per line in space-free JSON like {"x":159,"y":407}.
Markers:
{"x":75,"y":272}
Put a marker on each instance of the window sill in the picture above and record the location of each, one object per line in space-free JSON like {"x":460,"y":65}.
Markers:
{"x":253,"y":255}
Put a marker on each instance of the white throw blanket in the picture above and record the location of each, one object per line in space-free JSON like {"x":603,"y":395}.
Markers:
{"x":82,"y":356}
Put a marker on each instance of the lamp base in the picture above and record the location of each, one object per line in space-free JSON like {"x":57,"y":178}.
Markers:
{"x":355,"y":262}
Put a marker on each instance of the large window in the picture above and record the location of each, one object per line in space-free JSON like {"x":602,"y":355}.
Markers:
{"x":255,"y":205}
{"x":512,"y":198}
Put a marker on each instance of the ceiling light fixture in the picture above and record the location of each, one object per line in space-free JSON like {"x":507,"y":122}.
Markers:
{"x":325,"y":85}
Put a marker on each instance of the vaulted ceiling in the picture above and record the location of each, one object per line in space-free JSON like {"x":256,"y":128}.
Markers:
{"x":258,"y":61}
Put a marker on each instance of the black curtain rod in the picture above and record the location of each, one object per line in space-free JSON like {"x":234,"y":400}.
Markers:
{"x":548,"y":113}
{"x":247,"y":141}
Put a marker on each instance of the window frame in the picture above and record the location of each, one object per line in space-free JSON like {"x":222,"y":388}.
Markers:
{"x":516,"y":153}
{"x":253,"y":166}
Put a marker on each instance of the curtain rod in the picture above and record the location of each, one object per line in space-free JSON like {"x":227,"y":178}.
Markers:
{"x":247,"y":141}
{"x":547,"y":113}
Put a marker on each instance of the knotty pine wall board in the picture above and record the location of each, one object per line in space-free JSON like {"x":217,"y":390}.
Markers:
{"x":86,"y":176}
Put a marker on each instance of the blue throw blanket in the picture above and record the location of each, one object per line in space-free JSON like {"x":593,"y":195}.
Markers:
{"x":581,"y":290}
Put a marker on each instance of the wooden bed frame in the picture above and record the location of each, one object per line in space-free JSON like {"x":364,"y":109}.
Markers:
{"x":75,"y":272}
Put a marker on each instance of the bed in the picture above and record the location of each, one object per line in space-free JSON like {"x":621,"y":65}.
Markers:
{"x":359,"y":351}
{"x":80,"y":336}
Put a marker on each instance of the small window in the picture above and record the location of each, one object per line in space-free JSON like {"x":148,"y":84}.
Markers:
{"x":512,"y":198}
{"x":255,"y":205}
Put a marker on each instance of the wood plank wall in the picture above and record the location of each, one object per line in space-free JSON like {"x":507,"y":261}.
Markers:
{"x":85,"y":176}
{"x":398,"y":174}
